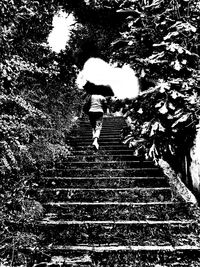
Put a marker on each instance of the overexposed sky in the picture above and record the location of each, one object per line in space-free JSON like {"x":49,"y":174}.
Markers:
{"x":60,"y":34}
{"x":123,"y":81}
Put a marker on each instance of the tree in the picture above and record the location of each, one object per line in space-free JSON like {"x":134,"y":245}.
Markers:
{"x":36,"y":92}
{"x":160,"y":42}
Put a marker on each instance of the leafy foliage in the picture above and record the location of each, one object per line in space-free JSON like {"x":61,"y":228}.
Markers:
{"x":29,"y":71}
{"x":38,"y":102}
{"x":160,"y":41}
{"x":38,"y":99}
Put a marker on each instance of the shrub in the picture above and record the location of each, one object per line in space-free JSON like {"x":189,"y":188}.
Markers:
{"x":160,"y":41}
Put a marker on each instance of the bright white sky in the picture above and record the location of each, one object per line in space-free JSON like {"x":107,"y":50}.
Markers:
{"x":123,"y":81}
{"x":60,"y":34}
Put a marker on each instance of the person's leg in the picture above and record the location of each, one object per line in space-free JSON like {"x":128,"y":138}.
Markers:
{"x":92,"y":123}
{"x":98,"y":127}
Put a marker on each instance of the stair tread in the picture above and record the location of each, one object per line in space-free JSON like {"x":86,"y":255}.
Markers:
{"x":105,"y":189}
{"x":112,"y":203}
{"x":104,"y":182}
{"x":105,"y":164}
{"x":101,"y":142}
{"x":95,"y":156}
{"x":102,"y":147}
{"x":47,"y":220}
{"x":102,"y":178}
{"x":107,"y":151}
{"x":102,"y":248}
{"x":109,"y":161}
{"x":85,"y":138}
{"x":93,"y":220}
{"x":106,"y":169}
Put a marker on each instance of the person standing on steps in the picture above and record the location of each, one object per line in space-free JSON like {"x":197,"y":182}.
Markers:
{"x":96,"y":110}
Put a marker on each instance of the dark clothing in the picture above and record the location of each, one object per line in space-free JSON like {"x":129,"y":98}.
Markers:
{"x":96,"y":111}
{"x":96,"y":118}
{"x":96,"y":121}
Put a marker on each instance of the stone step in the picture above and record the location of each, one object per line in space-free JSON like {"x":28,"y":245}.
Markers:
{"x":104,"y":132}
{"x":118,"y":214}
{"x":91,"y":159}
{"x":88,"y":138}
{"x":105,"y":194}
{"x":115,"y":248}
{"x":134,"y":256}
{"x":188,"y":225}
{"x":123,"y":256}
{"x":120,"y":211}
{"x":101,"y":157}
{"x":141,"y":233}
{"x":105,"y":146}
{"x":101,"y":152}
{"x":101,"y":142}
{"x":102,"y":172}
{"x":105,"y":164}
{"x":105,"y":128}
{"x":44,"y":260}
{"x":88,"y":132}
{"x":105,"y":122}
{"x":107,"y":117}
{"x":83,"y":131}
{"x":105,"y":125}
{"x":102,"y":182}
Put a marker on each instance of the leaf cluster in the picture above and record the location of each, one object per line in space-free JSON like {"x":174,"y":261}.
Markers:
{"x":160,"y":41}
{"x":38,"y":101}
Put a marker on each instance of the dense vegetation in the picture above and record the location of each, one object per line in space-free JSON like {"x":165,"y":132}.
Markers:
{"x":38,"y":103}
{"x":159,"y":39}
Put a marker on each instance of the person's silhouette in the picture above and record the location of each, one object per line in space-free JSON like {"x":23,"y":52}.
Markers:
{"x":97,"y":109}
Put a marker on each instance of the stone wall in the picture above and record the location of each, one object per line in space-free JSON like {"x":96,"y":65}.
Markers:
{"x":178,"y":187}
{"x":195,"y":163}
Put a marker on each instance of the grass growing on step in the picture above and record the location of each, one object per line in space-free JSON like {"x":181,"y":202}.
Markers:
{"x":99,"y":155}
{"x":150,"y":259}
{"x":175,"y":211}
{"x":100,"y":195}
{"x":124,"y":259}
{"x":114,"y":234}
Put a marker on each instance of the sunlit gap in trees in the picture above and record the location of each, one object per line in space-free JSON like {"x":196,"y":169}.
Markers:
{"x":122,"y":81}
{"x":62,"y":24}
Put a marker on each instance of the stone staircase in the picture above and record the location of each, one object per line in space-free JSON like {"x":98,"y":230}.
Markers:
{"x":110,"y":208}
